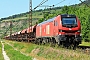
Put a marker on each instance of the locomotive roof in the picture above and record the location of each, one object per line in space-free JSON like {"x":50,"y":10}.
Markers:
{"x":68,"y":15}
{"x":49,"y":20}
{"x":62,"y":15}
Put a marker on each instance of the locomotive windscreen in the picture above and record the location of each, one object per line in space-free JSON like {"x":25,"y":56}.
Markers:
{"x":69,"y":21}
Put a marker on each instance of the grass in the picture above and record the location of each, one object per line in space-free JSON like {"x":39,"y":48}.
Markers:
{"x":30,"y":48}
{"x":24,"y":47}
{"x":20,"y":46}
{"x":27,"y":49}
{"x":62,"y":54}
{"x":51,"y":53}
{"x":1,"y":56}
{"x":15,"y":55}
{"x":85,"y":44}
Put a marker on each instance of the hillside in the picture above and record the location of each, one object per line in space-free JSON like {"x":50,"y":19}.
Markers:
{"x":20,"y":21}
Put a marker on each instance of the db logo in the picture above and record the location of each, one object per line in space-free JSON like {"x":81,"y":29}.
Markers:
{"x":70,"y":29}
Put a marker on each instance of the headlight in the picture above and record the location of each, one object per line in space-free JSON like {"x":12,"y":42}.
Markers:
{"x":60,"y":34}
{"x":79,"y":31}
{"x":60,"y":30}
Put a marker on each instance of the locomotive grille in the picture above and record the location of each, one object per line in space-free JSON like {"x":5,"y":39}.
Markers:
{"x":69,"y":31}
{"x":69,"y":26}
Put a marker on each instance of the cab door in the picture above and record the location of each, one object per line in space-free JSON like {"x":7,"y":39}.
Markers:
{"x":55,"y":30}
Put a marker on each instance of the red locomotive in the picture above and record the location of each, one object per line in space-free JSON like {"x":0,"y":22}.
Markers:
{"x":63,"y":29}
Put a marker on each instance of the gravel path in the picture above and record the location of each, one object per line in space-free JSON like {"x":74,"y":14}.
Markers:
{"x":4,"y":53}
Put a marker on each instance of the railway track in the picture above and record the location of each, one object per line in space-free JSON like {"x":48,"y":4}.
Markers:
{"x":85,"y":49}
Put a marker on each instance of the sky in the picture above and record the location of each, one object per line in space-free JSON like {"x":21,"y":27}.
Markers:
{"x":12,"y":7}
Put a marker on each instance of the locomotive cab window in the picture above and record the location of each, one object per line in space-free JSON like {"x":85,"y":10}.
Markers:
{"x":69,"y":21}
{"x":55,"y":23}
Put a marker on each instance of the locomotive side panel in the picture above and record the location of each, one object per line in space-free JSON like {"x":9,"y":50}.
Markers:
{"x":56,"y":23}
{"x":38,"y":31}
{"x":49,"y":29}
{"x":42,"y":29}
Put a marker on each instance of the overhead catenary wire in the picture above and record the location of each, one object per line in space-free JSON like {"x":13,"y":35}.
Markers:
{"x":51,"y":7}
{"x":59,"y":2}
{"x":84,"y":3}
{"x":41,"y":3}
{"x":53,"y":4}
